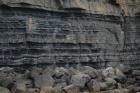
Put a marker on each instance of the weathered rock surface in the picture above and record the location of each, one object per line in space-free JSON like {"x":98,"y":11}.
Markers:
{"x":4,"y":90}
{"x":79,"y":80}
{"x":99,"y":32}
{"x":107,"y":7}
{"x":57,"y":82}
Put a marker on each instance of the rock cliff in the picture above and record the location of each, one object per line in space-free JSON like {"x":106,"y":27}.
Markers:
{"x":96,"y":32}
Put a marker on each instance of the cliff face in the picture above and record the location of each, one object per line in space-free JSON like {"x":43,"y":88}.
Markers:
{"x":129,"y":7}
{"x":96,"y":32}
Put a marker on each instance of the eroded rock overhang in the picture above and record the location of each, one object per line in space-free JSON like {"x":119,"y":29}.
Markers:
{"x":106,"y":7}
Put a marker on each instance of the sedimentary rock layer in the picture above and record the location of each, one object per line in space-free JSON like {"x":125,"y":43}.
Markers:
{"x":68,"y":31}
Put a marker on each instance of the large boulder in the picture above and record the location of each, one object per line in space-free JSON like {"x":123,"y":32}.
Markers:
{"x":80,"y":80}
{"x":103,"y":86}
{"x":4,"y":90}
{"x":89,"y":71}
{"x":109,"y":72}
{"x":61,"y":76}
{"x":70,"y":89}
{"x":36,"y":72}
{"x":95,"y":86}
{"x":60,"y":85}
{"x":113,"y":73}
{"x":110,"y":81}
{"x":42,"y":78}
{"x":43,"y":81}
{"x":73,"y":71}
{"x":22,"y":85}
{"x":8,"y":76}
{"x":120,"y":91}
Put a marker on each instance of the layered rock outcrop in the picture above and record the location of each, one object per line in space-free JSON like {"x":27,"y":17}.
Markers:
{"x":96,"y":32}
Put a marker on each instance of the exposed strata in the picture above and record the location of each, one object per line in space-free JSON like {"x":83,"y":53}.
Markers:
{"x":129,"y":7}
{"x":92,"y":6}
{"x":106,"y":7}
{"x":98,"y":32}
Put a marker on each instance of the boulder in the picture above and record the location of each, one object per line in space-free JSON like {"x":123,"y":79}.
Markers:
{"x":110,"y":81}
{"x":21,"y":85}
{"x":89,"y":71}
{"x":61,"y":76}
{"x":70,"y":89}
{"x":120,"y":91}
{"x":48,"y":90}
{"x":119,"y":73}
{"x":103,"y":86}
{"x":73,"y":71}
{"x":44,"y":80}
{"x":4,"y":90}
{"x":49,"y":70}
{"x":60,"y":85}
{"x":80,"y":80}
{"x":109,"y":72}
{"x":114,"y":73}
{"x":116,"y":91}
{"x":61,"y":71}
{"x":6,"y":77}
{"x":34,"y":90}
{"x":94,"y":85}
{"x":36,"y":72}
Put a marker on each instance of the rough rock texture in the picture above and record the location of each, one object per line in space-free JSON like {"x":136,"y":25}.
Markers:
{"x":107,"y":81}
{"x":98,"y":32}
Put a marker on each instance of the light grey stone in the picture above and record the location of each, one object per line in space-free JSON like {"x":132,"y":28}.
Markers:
{"x":43,"y":81}
{"x":80,"y":80}
{"x":4,"y":90}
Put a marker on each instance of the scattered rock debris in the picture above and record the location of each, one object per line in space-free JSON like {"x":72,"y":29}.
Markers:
{"x":69,"y":80}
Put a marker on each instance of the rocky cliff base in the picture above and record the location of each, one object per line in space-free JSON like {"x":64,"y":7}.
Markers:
{"x":79,"y":79}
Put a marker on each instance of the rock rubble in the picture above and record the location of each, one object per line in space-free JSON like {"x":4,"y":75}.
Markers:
{"x":69,"y":80}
